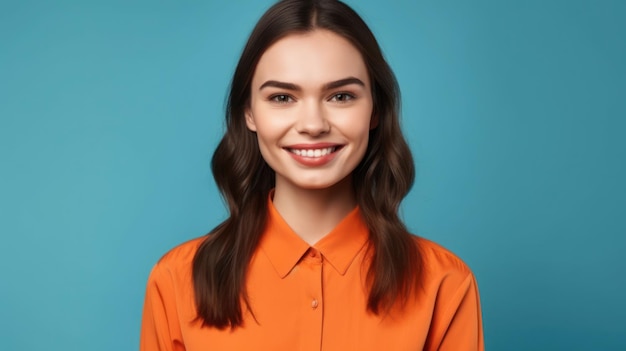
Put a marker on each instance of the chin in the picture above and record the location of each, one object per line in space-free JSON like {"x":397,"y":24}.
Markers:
{"x":314,"y":185}
{"x":322,"y":184}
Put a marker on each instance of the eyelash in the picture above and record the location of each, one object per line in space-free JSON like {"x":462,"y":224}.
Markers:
{"x":285,"y":99}
{"x":275,"y":98}
{"x":349,"y":96}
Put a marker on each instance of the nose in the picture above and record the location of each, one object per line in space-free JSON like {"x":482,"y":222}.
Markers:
{"x":312,"y":119}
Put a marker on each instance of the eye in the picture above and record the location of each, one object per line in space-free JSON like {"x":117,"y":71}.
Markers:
{"x":281,"y":98}
{"x":342,"y":97}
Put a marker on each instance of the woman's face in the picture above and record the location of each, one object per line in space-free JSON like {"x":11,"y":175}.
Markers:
{"x":311,"y":108}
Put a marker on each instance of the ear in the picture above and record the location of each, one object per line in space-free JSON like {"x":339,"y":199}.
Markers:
{"x":250,"y":120}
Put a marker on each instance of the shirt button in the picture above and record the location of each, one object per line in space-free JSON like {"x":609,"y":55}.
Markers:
{"x":314,"y":304}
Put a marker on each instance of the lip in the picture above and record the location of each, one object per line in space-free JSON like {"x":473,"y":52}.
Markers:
{"x":314,"y":161}
{"x":312,"y":146}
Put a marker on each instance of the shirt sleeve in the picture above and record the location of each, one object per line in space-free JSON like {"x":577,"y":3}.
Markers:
{"x":160,"y":329}
{"x":460,"y":328}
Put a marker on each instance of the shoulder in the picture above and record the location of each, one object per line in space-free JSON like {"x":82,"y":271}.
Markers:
{"x":178,"y":260}
{"x":170,"y":292}
{"x":437,"y":257}
{"x":441,"y":267}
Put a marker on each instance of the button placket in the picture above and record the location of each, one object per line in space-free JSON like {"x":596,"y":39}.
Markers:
{"x":313,"y":299}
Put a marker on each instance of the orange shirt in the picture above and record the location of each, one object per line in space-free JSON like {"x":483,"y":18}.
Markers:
{"x":314,"y":298}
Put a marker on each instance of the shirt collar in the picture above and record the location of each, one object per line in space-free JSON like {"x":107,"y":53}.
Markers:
{"x":284,"y":248}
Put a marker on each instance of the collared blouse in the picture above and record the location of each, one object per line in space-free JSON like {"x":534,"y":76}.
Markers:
{"x":314,"y":298}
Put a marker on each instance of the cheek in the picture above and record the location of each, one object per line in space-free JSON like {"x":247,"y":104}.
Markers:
{"x":269,"y":130}
{"x":356,"y":124}
{"x":270,"y":134}
{"x":269,"y":124}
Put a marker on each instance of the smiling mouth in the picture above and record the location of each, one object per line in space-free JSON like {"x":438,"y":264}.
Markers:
{"x":314,"y":153}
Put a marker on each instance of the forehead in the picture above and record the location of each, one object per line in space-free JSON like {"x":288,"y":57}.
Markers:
{"x":312,"y":58}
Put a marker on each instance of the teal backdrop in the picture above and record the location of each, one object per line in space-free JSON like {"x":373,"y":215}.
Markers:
{"x":110,"y":111}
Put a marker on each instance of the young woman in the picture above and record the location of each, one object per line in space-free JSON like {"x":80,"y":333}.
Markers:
{"x":313,"y":167}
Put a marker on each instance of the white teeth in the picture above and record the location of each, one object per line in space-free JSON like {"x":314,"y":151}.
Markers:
{"x":313,"y":153}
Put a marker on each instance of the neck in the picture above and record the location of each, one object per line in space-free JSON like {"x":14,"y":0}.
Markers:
{"x":313,"y":213}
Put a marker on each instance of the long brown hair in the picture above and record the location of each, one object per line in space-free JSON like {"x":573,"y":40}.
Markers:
{"x":381,"y":180}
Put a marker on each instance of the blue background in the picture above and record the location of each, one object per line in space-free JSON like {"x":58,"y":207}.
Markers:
{"x":110,"y":111}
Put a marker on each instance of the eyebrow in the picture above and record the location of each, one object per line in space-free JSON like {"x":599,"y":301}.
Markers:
{"x":328,"y":86}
